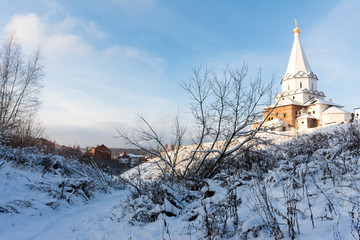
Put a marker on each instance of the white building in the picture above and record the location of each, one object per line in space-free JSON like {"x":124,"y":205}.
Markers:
{"x":130,"y":158}
{"x":300,"y":104}
{"x":357,"y":114}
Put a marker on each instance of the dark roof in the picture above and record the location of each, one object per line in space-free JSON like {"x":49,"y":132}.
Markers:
{"x":102,"y":148}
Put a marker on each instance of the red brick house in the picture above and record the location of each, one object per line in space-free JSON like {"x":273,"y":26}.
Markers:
{"x":101,"y":152}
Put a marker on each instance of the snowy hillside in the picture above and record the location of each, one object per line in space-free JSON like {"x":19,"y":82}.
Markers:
{"x":305,"y":188}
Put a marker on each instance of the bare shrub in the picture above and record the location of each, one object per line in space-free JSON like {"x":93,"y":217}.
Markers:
{"x":225,"y":107}
{"x":262,"y":205}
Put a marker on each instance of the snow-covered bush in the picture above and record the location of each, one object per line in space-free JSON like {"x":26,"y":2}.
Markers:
{"x":275,"y":192}
{"x":51,"y":179}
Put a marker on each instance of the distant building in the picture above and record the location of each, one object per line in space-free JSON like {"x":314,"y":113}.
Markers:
{"x":300,"y":105}
{"x":101,"y":152}
{"x":169,"y":147}
{"x":130,"y":158}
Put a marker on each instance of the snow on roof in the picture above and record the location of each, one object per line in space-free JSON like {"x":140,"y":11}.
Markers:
{"x":305,"y":115}
{"x":333,"y":109}
{"x":285,"y":102}
{"x":320,"y":101}
{"x":135,"y":156}
{"x":288,"y":101}
{"x":275,"y":122}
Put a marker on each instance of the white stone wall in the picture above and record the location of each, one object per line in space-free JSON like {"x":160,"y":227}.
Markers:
{"x":294,"y":84}
{"x":302,"y":123}
{"x":314,"y":111}
{"x":304,"y":97}
{"x":357,"y":114}
{"x":333,"y":118}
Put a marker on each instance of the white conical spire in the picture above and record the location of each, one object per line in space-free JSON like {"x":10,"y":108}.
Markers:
{"x":298,"y":61}
{"x":299,"y":82}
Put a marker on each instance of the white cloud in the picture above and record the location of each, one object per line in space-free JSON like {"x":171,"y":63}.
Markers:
{"x":85,"y":86}
{"x":54,"y":38}
{"x":94,"y":30}
{"x":28,"y":29}
{"x":65,"y":44}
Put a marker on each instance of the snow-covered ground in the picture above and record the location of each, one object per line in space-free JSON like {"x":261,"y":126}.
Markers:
{"x":313,"y":177}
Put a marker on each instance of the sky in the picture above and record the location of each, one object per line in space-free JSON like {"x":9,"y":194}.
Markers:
{"x":107,"y":60}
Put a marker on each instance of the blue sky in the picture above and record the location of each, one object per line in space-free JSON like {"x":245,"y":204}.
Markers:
{"x":105,"y":60}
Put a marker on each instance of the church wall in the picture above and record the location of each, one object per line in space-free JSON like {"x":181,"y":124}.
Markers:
{"x":322,"y":108}
{"x":314,"y":111}
{"x":294,"y":84}
{"x":313,"y":84}
{"x":287,"y":114}
{"x":307,"y":96}
{"x":357,"y":113}
{"x":305,"y":123}
{"x":309,"y":83}
{"x":301,"y":124}
{"x":300,"y":97}
{"x":332,"y":118}
{"x":304,"y":97}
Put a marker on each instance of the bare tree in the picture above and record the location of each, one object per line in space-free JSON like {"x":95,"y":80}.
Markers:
{"x":224,"y":107}
{"x":147,"y":139}
{"x":20,"y":84}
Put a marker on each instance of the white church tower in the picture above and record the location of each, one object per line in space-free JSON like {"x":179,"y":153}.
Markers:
{"x":300,"y":105}
{"x":299,"y":82}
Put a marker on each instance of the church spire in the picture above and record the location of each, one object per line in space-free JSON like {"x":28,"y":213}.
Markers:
{"x":298,"y":61}
{"x":299,"y":83}
{"x":296,"y":29}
